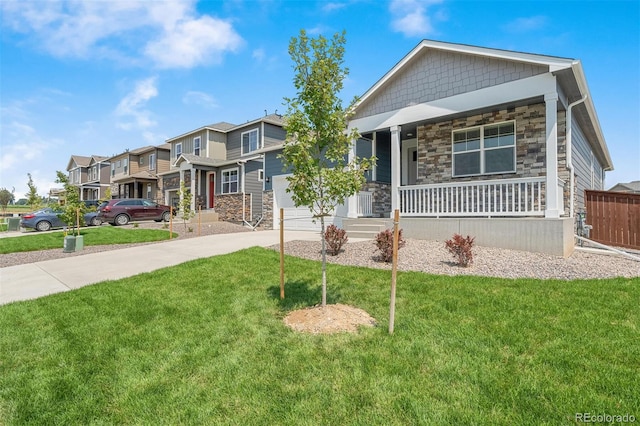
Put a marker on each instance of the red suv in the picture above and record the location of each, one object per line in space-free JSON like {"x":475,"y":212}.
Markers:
{"x":123,"y":211}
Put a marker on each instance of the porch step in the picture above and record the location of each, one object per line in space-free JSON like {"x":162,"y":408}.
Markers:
{"x":365,"y":228}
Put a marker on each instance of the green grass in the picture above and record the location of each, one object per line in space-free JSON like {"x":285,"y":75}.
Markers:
{"x":204,"y":343}
{"x":91,"y":236}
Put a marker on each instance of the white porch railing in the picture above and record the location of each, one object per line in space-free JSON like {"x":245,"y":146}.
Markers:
{"x":498,"y":197}
{"x":365,"y":204}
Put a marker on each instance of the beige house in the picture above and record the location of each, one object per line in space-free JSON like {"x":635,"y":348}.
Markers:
{"x":134,"y":173}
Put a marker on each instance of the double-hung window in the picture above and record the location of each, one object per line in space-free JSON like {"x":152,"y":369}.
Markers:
{"x":230,"y":181}
{"x":250,"y":141}
{"x":125,"y":164}
{"x":178,"y":149}
{"x":152,"y":161}
{"x":489,"y":149}
{"x":196,"y":146}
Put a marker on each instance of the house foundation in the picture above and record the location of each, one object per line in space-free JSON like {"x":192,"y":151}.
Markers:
{"x":541,"y":235}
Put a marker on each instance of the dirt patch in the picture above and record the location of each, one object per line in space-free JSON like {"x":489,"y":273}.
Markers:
{"x":336,"y":318}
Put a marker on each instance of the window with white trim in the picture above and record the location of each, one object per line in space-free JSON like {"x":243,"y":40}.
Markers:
{"x":250,"y":141}
{"x":141,"y":160}
{"x":260,"y":175}
{"x":113,"y":169}
{"x":152,"y":161}
{"x":196,"y":146}
{"x":229,"y":181}
{"x":125,"y":164}
{"x":484,"y":150}
{"x":178,"y":149}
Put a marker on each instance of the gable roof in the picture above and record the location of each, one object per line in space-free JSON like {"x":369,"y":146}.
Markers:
{"x":569,"y":73}
{"x":633,"y":186}
{"x":225,"y":127}
{"x":78,"y":161}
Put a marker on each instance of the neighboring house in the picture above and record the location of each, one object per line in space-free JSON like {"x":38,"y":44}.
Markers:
{"x":632,"y":187}
{"x":134,"y":173}
{"x":223,"y":166}
{"x":495,"y":144}
{"x":90,"y":175}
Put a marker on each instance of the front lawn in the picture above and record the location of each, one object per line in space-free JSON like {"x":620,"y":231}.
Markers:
{"x":204,"y":343}
{"x":92,"y":237}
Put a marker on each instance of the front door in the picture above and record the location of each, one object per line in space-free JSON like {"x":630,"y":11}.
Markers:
{"x":212,"y":190}
{"x":412,"y":169}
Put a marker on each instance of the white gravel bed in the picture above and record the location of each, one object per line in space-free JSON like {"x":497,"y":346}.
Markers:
{"x":12,"y":259}
{"x":432,"y":257}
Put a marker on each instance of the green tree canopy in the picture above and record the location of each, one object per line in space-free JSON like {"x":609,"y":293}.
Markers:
{"x":317,"y":145}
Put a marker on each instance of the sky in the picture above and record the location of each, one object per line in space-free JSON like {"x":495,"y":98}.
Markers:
{"x":99,"y":77}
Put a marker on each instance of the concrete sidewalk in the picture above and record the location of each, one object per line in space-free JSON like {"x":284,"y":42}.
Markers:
{"x":33,"y":280}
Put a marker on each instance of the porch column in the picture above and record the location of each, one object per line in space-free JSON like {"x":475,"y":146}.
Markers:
{"x":352,"y":202}
{"x":551,"y":198}
{"x":395,"y":168}
{"x":193,"y":190}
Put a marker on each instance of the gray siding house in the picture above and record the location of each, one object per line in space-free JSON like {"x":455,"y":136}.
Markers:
{"x":223,"y":166}
{"x":90,"y":175}
{"x":491,"y":143}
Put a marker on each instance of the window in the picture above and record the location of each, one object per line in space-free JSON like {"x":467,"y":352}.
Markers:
{"x":196,"y":145}
{"x":152,"y":161}
{"x":230,"y":181}
{"x":125,"y":164}
{"x":260,"y":175}
{"x":178,"y":149}
{"x":483,"y":150}
{"x":119,"y":164}
{"x":113,"y":169}
{"x":250,"y":141}
{"x":94,"y":172}
{"x":141,"y":161}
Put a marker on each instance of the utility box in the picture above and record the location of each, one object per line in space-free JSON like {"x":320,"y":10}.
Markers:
{"x":79,"y":243}
{"x":13,"y":224}
{"x":69,"y":244}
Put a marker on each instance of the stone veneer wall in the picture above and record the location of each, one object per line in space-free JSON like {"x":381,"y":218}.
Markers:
{"x":267,"y":210}
{"x":381,"y":204}
{"x":229,"y":207}
{"x":435,"y":146}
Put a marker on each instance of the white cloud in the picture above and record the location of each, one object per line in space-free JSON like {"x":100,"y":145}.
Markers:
{"x":22,"y":144}
{"x":258,"y":55}
{"x":411,"y":17}
{"x":194,"y":42}
{"x":199,"y":98}
{"x":132,"y":107}
{"x":522,"y":25}
{"x":168,"y":33}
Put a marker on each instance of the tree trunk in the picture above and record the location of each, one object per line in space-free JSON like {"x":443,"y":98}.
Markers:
{"x":324,"y":263}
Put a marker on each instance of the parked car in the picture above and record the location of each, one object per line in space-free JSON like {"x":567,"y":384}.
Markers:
{"x":125,"y":210}
{"x":47,"y":218}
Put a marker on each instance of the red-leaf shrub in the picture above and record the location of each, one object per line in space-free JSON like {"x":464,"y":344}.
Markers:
{"x":384,"y":242}
{"x":335,"y":238}
{"x":460,"y":248}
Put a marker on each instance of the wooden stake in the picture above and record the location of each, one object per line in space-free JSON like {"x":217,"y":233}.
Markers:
{"x":170,"y":222}
{"x":281,"y":253}
{"x":77,"y":222}
{"x":394,"y":271}
{"x":199,"y":218}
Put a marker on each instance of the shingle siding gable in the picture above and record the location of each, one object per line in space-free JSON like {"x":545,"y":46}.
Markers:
{"x":437,"y":74}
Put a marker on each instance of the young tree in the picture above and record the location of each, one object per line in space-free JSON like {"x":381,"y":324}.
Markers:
{"x":317,"y":145}
{"x":185,"y":204}
{"x":33,"y":199}
{"x":6,"y":197}
{"x":72,"y":204}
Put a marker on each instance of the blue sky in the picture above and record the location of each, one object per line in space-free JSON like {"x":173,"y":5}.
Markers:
{"x":98,"y":77}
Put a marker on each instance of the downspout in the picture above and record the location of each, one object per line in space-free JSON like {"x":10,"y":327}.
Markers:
{"x":569,"y":148}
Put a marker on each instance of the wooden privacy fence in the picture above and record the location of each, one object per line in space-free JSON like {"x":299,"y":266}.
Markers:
{"x":615,"y":218}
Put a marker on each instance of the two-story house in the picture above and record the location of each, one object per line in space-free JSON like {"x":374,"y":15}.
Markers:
{"x":90,"y":175}
{"x":134,"y":173}
{"x":223,"y":166}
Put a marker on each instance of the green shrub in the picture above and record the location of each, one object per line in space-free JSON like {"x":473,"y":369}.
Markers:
{"x":384,"y":242}
{"x":335,"y":238}
{"x":461,"y":249}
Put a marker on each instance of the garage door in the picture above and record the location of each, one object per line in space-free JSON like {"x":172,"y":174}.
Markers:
{"x":298,"y":218}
